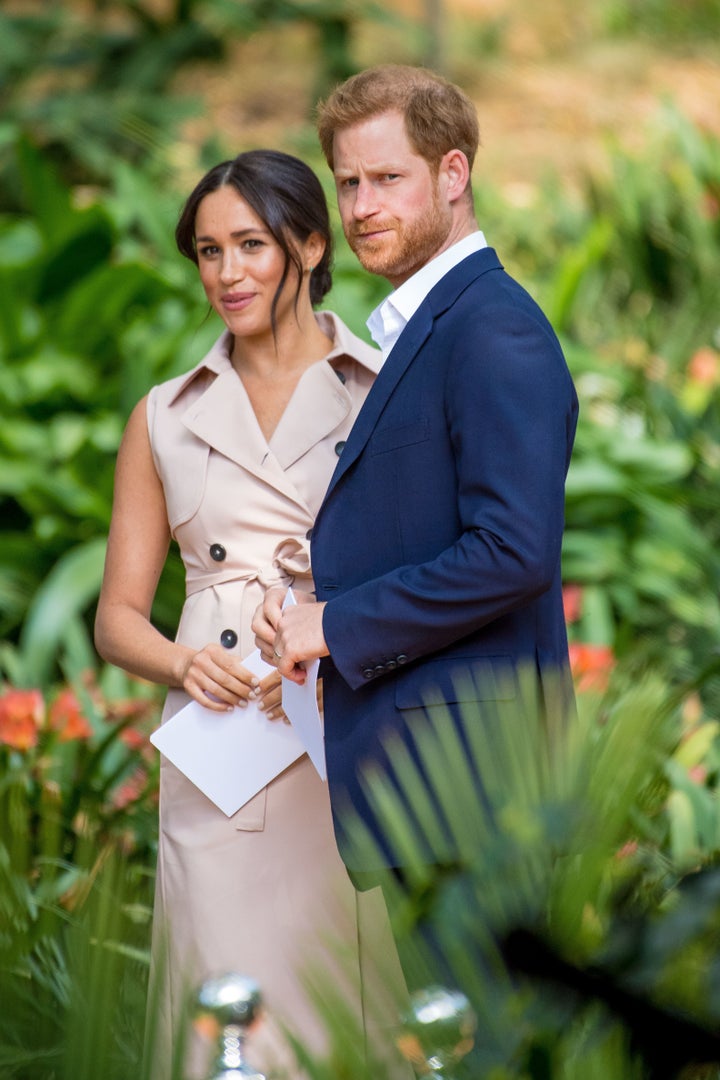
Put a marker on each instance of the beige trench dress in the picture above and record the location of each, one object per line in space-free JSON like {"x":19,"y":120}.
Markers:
{"x":260,"y":892}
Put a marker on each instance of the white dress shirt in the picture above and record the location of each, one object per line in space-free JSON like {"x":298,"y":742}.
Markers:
{"x":389,"y":318}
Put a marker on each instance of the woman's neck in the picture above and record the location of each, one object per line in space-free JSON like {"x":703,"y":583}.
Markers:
{"x":298,"y":342}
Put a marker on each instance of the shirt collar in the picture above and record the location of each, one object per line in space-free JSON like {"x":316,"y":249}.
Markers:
{"x":390,"y":317}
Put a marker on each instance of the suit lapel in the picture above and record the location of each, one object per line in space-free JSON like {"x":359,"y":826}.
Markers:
{"x":407,"y":347}
{"x":411,"y":340}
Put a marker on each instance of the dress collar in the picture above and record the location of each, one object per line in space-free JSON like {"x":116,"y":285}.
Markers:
{"x":345,"y":344}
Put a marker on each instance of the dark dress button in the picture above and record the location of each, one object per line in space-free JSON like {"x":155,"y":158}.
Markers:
{"x":341,"y":375}
{"x":368,"y":673}
{"x":402,"y":658}
{"x":217,"y":552}
{"x":228,"y":639}
{"x":339,"y":447}
{"x":308,"y":534}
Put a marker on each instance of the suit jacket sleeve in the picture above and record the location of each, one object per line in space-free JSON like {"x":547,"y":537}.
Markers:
{"x":510,"y":411}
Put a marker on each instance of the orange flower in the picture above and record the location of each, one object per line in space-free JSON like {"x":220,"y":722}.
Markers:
{"x":704,"y":367}
{"x":591,"y":666}
{"x":67,"y":718}
{"x":698,"y":774}
{"x":21,"y":716}
{"x":134,"y":739}
{"x":572,"y":602}
{"x":710,"y":205}
{"x":629,"y":848}
{"x":131,"y":790}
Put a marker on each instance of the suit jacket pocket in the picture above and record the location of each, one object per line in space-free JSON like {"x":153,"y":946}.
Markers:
{"x":456,"y":680}
{"x":392,"y":438}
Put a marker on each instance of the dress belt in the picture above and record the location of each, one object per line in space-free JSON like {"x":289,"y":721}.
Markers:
{"x":291,"y":559}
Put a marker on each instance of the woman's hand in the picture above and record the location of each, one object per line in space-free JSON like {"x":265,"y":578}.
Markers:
{"x":266,"y":621}
{"x":270,"y":697}
{"x":217,"y":679}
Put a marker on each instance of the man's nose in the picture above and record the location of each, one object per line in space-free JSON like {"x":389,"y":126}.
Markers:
{"x":366,"y":202}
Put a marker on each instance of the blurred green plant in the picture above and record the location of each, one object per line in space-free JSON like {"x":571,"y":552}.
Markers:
{"x":583,"y":941}
{"x":94,"y":83}
{"x":673,"y":23}
{"x":86,"y":328}
{"x":78,"y":808}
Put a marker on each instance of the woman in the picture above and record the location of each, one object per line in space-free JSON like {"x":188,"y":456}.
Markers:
{"x":232,"y":460}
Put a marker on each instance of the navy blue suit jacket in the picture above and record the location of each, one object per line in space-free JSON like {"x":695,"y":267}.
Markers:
{"x":437,"y":547}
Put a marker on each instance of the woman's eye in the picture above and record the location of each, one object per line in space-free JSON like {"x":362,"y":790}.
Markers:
{"x":208,"y":250}
{"x":252,"y":245}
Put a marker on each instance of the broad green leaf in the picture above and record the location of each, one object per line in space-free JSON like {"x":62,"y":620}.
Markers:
{"x":73,"y":583}
{"x":47,"y":199}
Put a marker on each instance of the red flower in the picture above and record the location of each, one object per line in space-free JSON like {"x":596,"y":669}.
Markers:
{"x":591,"y":666}
{"x":21,"y":716}
{"x":67,"y":718}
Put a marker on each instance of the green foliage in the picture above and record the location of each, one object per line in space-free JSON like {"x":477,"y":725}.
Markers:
{"x":693,"y":20}
{"x":559,"y":916}
{"x":78,"y":806}
{"x":84,"y":332}
{"x":94,"y":84}
{"x":96,"y":306}
{"x":73,"y":974}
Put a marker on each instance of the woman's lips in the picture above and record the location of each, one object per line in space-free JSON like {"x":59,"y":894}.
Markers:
{"x":237,"y":301}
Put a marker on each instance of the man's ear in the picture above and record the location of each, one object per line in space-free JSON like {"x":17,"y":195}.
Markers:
{"x":455,"y":173}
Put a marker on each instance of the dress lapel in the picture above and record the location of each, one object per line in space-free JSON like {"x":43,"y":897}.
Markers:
{"x":318,"y":406}
{"x":223,"y":417}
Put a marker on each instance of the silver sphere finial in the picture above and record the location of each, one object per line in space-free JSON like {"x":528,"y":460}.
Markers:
{"x":233,"y":1003}
{"x":437,"y":1031}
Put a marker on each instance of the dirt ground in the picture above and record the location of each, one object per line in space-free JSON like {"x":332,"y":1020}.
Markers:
{"x":551,"y":82}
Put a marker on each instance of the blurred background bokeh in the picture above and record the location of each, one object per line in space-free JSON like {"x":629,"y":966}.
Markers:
{"x":599,"y":184}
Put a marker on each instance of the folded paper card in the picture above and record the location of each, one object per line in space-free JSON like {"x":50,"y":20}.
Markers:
{"x":231,"y":756}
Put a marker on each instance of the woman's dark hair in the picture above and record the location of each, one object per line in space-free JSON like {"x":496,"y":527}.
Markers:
{"x":287,"y":197}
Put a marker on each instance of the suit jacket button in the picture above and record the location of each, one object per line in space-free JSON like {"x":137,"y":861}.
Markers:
{"x":228,"y":639}
{"x":217,"y":552}
{"x":402,"y":658}
{"x":391,"y":665}
{"x":339,"y":447}
{"x":368,"y":673}
{"x":380,"y":669}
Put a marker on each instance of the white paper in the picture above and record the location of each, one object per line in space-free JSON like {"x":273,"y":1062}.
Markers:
{"x":230,"y":756}
{"x":301,"y":709}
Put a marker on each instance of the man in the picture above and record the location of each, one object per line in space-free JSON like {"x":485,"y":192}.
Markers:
{"x":436,"y":552}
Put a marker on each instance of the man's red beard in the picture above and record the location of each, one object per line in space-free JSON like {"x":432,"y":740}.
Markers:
{"x":404,"y":248}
